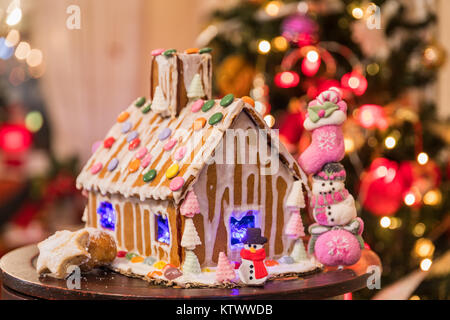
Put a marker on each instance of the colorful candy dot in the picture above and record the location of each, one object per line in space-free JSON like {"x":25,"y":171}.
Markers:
{"x":170,"y":144}
{"x":197,"y":105}
{"x":147,"y":108}
{"x":141,"y":153}
{"x":123,"y":116}
{"x":140,"y":102}
{"x":271,"y":263}
{"x":170,"y":52}
{"x":215,"y":118}
{"x":96,"y":168}
{"x":157,"y":52}
{"x":149,"y":261}
{"x":95,"y":146}
{"x":109,"y":142}
{"x":227,"y":100}
{"x":137,"y":259}
{"x":164,"y":134}
{"x":205,"y":50}
{"x":176,"y":183}
{"x":191,"y":50}
{"x":126,"y":126}
{"x":132,"y":135}
{"x":146,"y":161}
{"x":180,"y":153}
{"x":199,"y":124}
{"x":208,"y":105}
{"x":121,"y":254}
{"x":131,"y":255}
{"x":149,"y":176}
{"x":159,"y":265}
{"x":154,"y":274}
{"x":134,"y":165}
{"x":172,"y":171}
{"x":113,"y":164}
{"x":248,"y":100}
{"x":134,"y":144}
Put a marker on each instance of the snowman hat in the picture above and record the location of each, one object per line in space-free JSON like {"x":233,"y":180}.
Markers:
{"x":333,"y":171}
{"x":253,"y":236}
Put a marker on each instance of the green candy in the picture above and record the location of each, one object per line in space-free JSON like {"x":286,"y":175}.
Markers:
{"x":147,"y":108}
{"x":208,"y":105}
{"x":170,"y":52}
{"x":149,"y":176}
{"x":215,"y":118}
{"x":140,"y":102}
{"x":227,"y":100}
{"x":131,"y":255}
{"x":205,"y":50}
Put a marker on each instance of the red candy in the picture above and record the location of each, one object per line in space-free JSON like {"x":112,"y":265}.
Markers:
{"x":121,"y":254}
{"x":109,"y":142}
{"x":134,"y":144}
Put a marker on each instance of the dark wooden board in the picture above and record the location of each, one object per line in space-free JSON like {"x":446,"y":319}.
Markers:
{"x":20,"y":279}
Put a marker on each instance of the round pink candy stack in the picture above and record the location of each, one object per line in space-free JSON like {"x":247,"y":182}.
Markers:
{"x":190,"y":206}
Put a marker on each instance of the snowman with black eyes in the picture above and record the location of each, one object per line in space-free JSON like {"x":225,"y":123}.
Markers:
{"x":332,"y":204}
{"x":252,"y":270}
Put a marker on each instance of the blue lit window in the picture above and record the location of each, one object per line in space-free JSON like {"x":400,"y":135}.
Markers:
{"x":107,"y":215}
{"x":238,"y":228}
{"x":162,"y":229}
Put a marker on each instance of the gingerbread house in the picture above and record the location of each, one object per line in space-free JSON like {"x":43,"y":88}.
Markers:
{"x":181,"y":175}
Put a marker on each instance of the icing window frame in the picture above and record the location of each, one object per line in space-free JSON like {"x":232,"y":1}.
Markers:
{"x":238,"y":222}
{"x":162,"y":229}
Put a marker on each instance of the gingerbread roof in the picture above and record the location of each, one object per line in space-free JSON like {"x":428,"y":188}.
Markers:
{"x":142,"y":140}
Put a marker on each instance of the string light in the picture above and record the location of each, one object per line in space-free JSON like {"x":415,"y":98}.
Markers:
{"x":273,"y":8}
{"x":390,"y":142}
{"x":270,"y":120}
{"x":425,"y":264}
{"x":287,"y":79}
{"x":419,"y":229}
{"x":357,"y":13}
{"x":409,"y":199}
{"x":22,"y":50}
{"x":422,"y":158}
{"x":264,"y":47}
{"x":34,"y":58}
{"x":373,"y":68}
{"x":280,"y":43}
{"x":424,"y":248}
{"x":385,"y":222}
{"x":395,"y":223}
{"x":312,"y":56}
{"x":14,"y":17}
{"x":414,"y":298}
{"x":12,"y":38}
{"x":432,"y":197}
{"x":349,"y":145}
{"x":34,"y":121}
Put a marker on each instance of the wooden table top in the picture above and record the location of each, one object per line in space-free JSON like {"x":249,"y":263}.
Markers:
{"x":20,"y":280}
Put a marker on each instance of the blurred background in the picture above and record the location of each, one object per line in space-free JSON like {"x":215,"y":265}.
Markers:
{"x":68,"y":67}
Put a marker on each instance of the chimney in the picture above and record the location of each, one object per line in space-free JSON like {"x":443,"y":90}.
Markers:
{"x":181,"y":77}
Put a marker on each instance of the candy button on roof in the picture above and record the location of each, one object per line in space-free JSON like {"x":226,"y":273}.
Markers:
{"x":163,"y":135}
{"x":205,"y":50}
{"x":96,"y":168}
{"x":215,"y":118}
{"x":134,"y":144}
{"x":180,"y":153}
{"x":149,"y":176}
{"x":170,"y":144}
{"x":197,"y":105}
{"x":109,"y":142}
{"x":172,"y":171}
{"x":113,"y":164}
{"x":146,"y":161}
{"x":208,"y":105}
{"x":147,"y":108}
{"x":123,"y":116}
{"x":134,"y":165}
{"x":157,"y":52}
{"x":227,"y":100}
{"x":140,"y":102}
{"x":126,"y":126}
{"x":191,"y":50}
{"x":141,"y":153}
{"x":176,"y":184}
{"x":132,"y":135}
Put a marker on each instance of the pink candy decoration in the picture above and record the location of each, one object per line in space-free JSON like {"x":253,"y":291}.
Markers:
{"x":180,"y":153}
{"x":141,"y":153}
{"x":146,"y":161}
{"x":176,"y":183}
{"x":225,"y":270}
{"x":170,"y":144}
{"x":95,"y":146}
{"x":157,"y":52}
{"x":96,"y":168}
{"x":197,"y":105}
{"x":190,"y":206}
{"x":336,"y":248}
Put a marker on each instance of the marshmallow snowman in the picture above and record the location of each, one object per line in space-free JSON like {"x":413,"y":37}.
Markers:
{"x":252,"y":270}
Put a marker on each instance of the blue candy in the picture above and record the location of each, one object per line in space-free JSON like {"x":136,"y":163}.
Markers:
{"x":126,"y":126}
{"x":132,"y":135}
{"x":164,"y":134}
{"x":113,"y":164}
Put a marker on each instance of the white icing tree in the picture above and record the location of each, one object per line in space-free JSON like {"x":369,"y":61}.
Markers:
{"x":294,"y":226}
{"x":196,"y":88}
{"x":159,"y":103}
{"x":191,"y":264}
{"x":190,"y":237}
{"x":296,"y":199}
{"x":298,"y":252}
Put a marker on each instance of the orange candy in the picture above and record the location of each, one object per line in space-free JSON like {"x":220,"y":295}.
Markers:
{"x":134,"y":165}
{"x":154,"y":274}
{"x":248,"y":100}
{"x":137,"y":259}
{"x":191,"y":50}
{"x":123,"y":116}
{"x":271,"y":263}
{"x":199,"y":123}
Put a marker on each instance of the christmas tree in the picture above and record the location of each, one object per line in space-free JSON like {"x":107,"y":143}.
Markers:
{"x":384,"y":58}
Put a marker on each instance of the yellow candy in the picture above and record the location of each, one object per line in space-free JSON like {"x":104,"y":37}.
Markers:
{"x":159,"y":265}
{"x":172,"y":171}
{"x":137,"y":259}
{"x":207,"y":270}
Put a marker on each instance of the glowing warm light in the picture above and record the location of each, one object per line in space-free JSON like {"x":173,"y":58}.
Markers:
{"x":12,"y":38}
{"x":349,"y":145}
{"x":395,"y":223}
{"x":355,"y":81}
{"x":34,"y":121}
{"x":302,"y":7}
{"x":371,"y":116}
{"x":312,"y":56}
{"x":280,"y":43}
{"x":381,"y":172}
{"x":409,"y":199}
{"x":22,"y":50}
{"x":257,"y":93}
{"x":15,"y":138}
{"x":414,"y":298}
{"x":34,"y":58}
{"x":37,"y":72}
{"x":432,"y":197}
{"x":270,"y":120}
{"x":14,"y":17}
{"x":422,"y":158}
{"x":373,"y":68}
{"x":424,"y":248}
{"x":260,"y":107}
{"x":273,"y":8}
{"x":419,"y":229}
{"x":357,"y":13}
{"x":385,"y":222}
{"x":264,"y":46}
{"x":310,"y":68}
{"x":425,"y":264}
{"x":390,"y":142}
{"x":287,"y":79}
